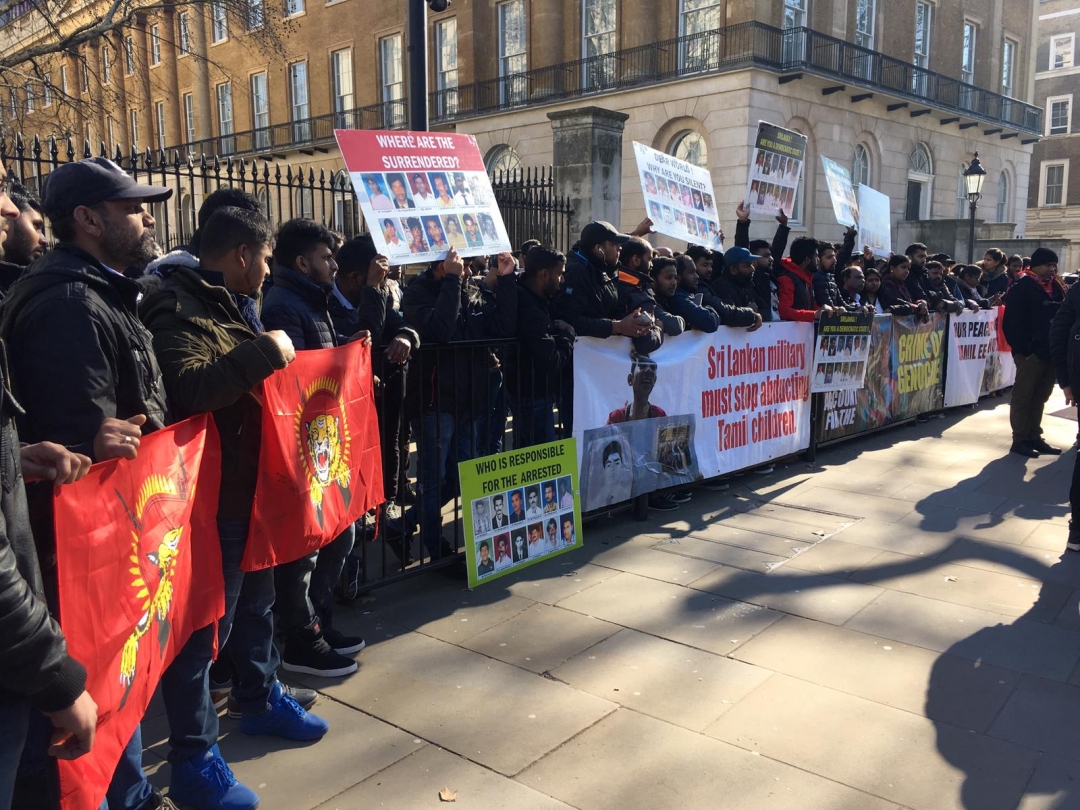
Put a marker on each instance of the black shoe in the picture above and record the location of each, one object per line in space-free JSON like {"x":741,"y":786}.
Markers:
{"x":680,"y":496}
{"x":662,"y":503}
{"x":305,"y":697}
{"x":342,"y":644}
{"x":1045,"y":449}
{"x":308,"y":652}
{"x":1024,"y":448}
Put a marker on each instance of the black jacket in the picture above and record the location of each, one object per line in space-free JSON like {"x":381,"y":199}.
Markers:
{"x":963,"y":292}
{"x":998,"y":284}
{"x":376,"y":314}
{"x":939,"y":296}
{"x":9,"y":274}
{"x":298,"y":306}
{"x":543,"y":351}
{"x":36,"y":665}
{"x":826,"y":291}
{"x":446,"y":311}
{"x":738,"y":291}
{"x":1065,"y":340}
{"x":697,"y":316}
{"x":78,"y":351}
{"x":779,"y":242}
{"x":589,"y":301}
{"x":1029,"y":311}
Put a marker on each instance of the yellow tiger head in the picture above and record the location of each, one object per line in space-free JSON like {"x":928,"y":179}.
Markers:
{"x":324,"y":449}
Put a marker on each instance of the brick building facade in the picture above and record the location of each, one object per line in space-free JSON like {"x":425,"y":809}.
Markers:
{"x":902,"y":91}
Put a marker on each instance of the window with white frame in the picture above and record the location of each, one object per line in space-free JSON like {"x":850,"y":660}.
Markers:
{"x":512,"y":59}
{"x":225,"y":115}
{"x":46,"y":91}
{"x":920,"y":179}
{"x":598,"y":34}
{"x":85,"y":78}
{"x":298,"y":101}
{"x":260,"y":110}
{"x":341,"y":76}
{"x":28,"y":92}
{"x":967,"y":53}
{"x":1059,"y":115}
{"x":1054,"y":176}
{"x":699,"y":20}
{"x":1008,"y":68}
{"x":13,"y":104}
{"x":256,"y":13}
{"x":106,"y":65}
{"x":134,"y":122}
{"x":1003,"y":197}
{"x":1062,"y":47}
{"x":63,"y":80}
{"x":189,"y":118}
{"x":129,"y":55}
{"x":293,"y":7}
{"x":185,"y":33}
{"x":794,"y":13}
{"x":110,"y":129}
{"x":219,"y":21}
{"x":865,"y":22}
{"x":961,"y":195}
{"x":446,"y":65}
{"x":393,"y":79}
{"x":860,"y":166}
{"x":923,"y":20}
{"x":155,"y":44}
{"x":159,"y":118}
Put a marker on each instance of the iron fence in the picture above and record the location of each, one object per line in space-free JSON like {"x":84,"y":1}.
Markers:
{"x":531,"y":209}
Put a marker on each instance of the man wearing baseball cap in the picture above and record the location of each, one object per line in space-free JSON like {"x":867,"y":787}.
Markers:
{"x":82,"y":364}
{"x":734,"y":284}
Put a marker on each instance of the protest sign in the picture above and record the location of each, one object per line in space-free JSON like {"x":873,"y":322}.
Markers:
{"x":875,"y":226}
{"x":678,"y":197}
{"x":520,"y":508}
{"x":972,"y":344}
{"x":918,"y":351}
{"x":699,"y":406}
{"x":845,"y":205}
{"x":423,"y":192}
{"x":841,"y":349}
{"x":1000,"y":367}
{"x":776,"y":169}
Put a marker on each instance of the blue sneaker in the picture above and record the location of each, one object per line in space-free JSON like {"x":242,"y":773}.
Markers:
{"x":285,"y":718}
{"x":206,"y":783}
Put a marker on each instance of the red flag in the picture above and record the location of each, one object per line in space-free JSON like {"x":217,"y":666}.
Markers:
{"x":139,"y":569}
{"x":1002,"y":343}
{"x":320,"y":466}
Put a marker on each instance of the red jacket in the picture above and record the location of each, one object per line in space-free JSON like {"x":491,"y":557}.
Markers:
{"x":794,"y":287}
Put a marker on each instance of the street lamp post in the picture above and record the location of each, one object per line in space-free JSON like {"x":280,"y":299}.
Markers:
{"x":418,"y":64}
{"x":974,"y":175}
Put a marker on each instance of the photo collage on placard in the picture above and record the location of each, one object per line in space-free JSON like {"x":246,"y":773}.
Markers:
{"x":523,"y":524}
{"x":773,"y":179}
{"x":687,"y":212}
{"x":841,"y":360}
{"x":421,"y":214}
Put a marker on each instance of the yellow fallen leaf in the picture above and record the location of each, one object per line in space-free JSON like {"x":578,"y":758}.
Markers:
{"x":448,"y":795}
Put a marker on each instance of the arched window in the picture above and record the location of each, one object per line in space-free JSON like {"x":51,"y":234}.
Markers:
{"x":920,"y":176}
{"x":860,"y":166}
{"x":502,"y":159}
{"x":1003,"y":198}
{"x":688,"y":145}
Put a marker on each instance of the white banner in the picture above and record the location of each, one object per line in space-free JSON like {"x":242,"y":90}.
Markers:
{"x":700,"y":406}
{"x":844,"y":204}
{"x":875,"y":226}
{"x":972,"y":342}
{"x":1000,"y":366}
{"x":679,"y":197}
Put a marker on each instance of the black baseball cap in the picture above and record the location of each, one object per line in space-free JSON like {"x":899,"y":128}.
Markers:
{"x":92,"y":181}
{"x":598,"y":232}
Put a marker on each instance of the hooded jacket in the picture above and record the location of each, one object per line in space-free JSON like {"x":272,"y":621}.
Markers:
{"x":794,"y":286}
{"x":78,"y":351}
{"x":212,"y":360}
{"x":300,"y":308}
{"x":636,"y":292}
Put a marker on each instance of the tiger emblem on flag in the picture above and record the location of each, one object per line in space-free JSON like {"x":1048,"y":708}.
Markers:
{"x":324,"y":442}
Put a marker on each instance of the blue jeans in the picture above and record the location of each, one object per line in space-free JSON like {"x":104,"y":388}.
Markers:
{"x":305,"y":587}
{"x":445,"y":440}
{"x":185,"y":687}
{"x":534,"y":420}
{"x":14,"y":721}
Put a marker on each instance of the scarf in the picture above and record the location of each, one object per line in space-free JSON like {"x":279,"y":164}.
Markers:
{"x":249,"y":310}
{"x":1047,"y":283}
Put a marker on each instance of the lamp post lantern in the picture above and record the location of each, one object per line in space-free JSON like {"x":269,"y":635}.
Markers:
{"x":974,"y":175}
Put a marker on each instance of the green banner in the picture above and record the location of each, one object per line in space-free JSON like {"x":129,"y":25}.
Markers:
{"x":520,"y":507}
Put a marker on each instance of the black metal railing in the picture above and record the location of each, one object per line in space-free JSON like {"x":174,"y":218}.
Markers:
{"x":531,"y":209}
{"x":734,"y":47}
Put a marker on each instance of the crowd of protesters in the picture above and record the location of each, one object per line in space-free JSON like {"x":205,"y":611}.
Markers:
{"x":108,"y":340}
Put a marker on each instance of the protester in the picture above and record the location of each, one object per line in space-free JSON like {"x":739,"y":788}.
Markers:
{"x":1030,"y":306}
{"x":768,"y":254}
{"x":826,"y":292}
{"x":853,"y":282}
{"x":362,"y":301}
{"x":214,"y":353}
{"x":939,"y":296}
{"x":995,"y":265}
{"x":452,"y":388}
{"x":665,"y":281}
{"x":298,"y":304}
{"x":794,"y":283}
{"x":635,"y":286}
{"x":917,"y":257}
{"x":545,"y":348}
{"x":24,"y":237}
{"x":895,"y":293}
{"x":1014,"y":268}
{"x":83,"y":366}
{"x":734,"y":284}
{"x":966,"y":286}
{"x":1065,"y":357}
